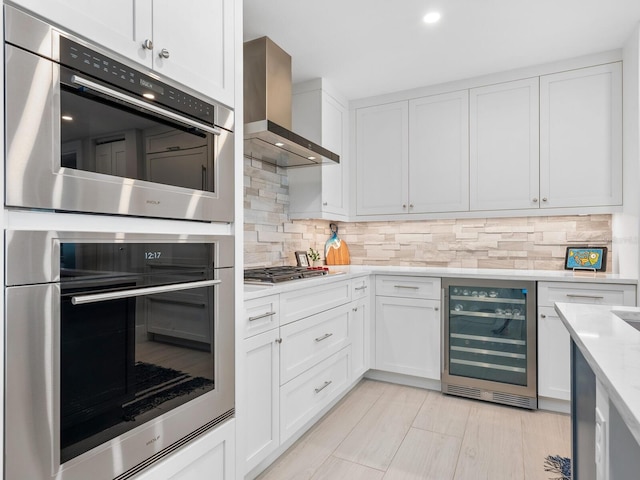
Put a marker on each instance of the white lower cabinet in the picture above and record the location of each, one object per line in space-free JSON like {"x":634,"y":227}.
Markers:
{"x":360,"y":331}
{"x":210,"y":456}
{"x":407,"y":326}
{"x":307,"y":341}
{"x":262,"y":383}
{"x":302,"y":362}
{"x":554,"y":374}
{"x":408,"y":336}
{"x":307,"y":394}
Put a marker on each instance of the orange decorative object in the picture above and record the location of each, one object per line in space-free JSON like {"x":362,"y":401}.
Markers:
{"x":336,"y":251}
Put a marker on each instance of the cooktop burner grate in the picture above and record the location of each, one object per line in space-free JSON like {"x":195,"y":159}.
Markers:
{"x":281,"y":274}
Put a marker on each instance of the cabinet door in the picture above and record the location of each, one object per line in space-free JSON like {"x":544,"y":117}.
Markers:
{"x":581,"y":137}
{"x":554,"y":374}
{"x":334,"y":136}
{"x":382,"y":159}
{"x":198,"y":40}
{"x":439,"y":153}
{"x":318,"y":116}
{"x":120,"y":25}
{"x":262,"y":387}
{"x":360,"y":331}
{"x":408,"y":336}
{"x":504,"y":158}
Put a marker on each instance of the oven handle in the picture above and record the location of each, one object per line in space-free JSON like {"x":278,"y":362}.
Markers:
{"x":83,"y":82}
{"x":137,"y":292}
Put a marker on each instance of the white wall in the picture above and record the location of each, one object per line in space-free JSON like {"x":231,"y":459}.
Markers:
{"x":626,"y":225}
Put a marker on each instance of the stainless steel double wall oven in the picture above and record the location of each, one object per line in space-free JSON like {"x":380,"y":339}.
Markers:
{"x":119,"y":346}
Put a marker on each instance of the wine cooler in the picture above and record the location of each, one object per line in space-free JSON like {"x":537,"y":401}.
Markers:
{"x":490,"y":341}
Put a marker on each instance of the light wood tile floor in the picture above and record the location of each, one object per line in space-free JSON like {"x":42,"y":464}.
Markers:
{"x":382,"y":431}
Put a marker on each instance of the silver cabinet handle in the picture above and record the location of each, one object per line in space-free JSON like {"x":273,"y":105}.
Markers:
{"x":411,"y":205}
{"x":324,"y":337}
{"x":407,"y":286}
{"x":278,"y":340}
{"x":542,"y":315}
{"x":355,"y":309}
{"x":364,"y":287}
{"x":164,"y":53}
{"x":137,"y":292}
{"x":264,"y":315}
{"x":436,"y":309}
{"x":404,"y":205}
{"x":83,"y":82}
{"x":544,"y":199}
{"x":147,"y":44}
{"x":535,"y":200}
{"x":326,"y":384}
{"x":575,"y":295}
{"x":325,"y":203}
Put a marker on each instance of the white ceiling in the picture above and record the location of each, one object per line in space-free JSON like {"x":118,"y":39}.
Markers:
{"x":370,"y":47}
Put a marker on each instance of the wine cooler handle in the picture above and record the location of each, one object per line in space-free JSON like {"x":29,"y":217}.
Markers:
{"x":443,"y":357}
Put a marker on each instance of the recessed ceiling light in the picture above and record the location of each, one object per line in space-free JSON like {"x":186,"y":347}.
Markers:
{"x":68,"y":118}
{"x":150,"y":96}
{"x":311,"y":158}
{"x":279,"y":144}
{"x":432,"y":17}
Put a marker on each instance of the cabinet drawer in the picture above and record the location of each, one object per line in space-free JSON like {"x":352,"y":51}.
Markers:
{"x":309,"y":301}
{"x":410,"y":287}
{"x":261,"y":314}
{"x":592,"y":293}
{"x":359,"y":288}
{"x":309,"y":341}
{"x":307,"y":394}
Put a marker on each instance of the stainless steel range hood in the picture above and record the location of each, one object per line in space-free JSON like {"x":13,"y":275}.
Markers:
{"x":267,"y":110}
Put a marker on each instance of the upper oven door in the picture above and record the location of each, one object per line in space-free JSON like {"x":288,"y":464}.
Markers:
{"x":77,"y":144}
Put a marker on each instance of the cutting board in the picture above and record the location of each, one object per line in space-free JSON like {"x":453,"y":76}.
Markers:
{"x":336,"y":251}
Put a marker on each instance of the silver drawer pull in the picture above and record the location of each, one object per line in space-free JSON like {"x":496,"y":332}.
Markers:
{"x":574,"y":295}
{"x":364,"y":287}
{"x":326,"y":384}
{"x":264,"y":315}
{"x":324,"y":337}
{"x":407,"y":286}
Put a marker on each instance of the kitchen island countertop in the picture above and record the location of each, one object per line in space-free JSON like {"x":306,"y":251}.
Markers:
{"x":611,"y":347}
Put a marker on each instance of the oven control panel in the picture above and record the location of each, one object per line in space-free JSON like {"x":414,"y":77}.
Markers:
{"x":98,"y":65}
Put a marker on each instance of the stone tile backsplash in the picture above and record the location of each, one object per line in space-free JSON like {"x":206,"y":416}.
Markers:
{"x":271,"y":238}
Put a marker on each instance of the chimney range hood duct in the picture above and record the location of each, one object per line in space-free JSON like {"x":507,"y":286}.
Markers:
{"x":267,"y":110}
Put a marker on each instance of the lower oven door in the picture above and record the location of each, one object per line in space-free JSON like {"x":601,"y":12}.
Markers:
{"x":98,"y":385}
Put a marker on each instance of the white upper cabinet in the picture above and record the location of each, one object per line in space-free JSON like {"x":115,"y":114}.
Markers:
{"x":504,"y":158}
{"x":413,"y":157}
{"x":439,"y":153}
{"x":321,"y":115}
{"x":382,"y":159}
{"x":197,"y":39}
{"x":191,"y":43}
{"x":581,"y":137}
{"x":120,"y":25}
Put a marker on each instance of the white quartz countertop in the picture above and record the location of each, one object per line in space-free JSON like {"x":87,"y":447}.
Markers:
{"x":611,"y":347}
{"x":347,"y":271}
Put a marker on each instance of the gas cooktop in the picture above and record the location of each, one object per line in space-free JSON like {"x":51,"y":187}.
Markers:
{"x":282,"y":274}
